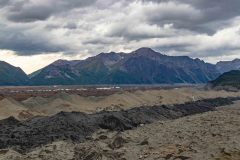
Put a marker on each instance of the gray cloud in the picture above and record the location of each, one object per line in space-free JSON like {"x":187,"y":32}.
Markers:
{"x":71,"y":25}
{"x":192,"y":27}
{"x":30,"y":10}
{"x":3,"y":3}
{"x":31,"y":14}
{"x":27,"y":43}
{"x":213,"y":14}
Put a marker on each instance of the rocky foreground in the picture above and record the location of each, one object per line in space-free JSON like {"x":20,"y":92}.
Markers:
{"x":156,"y":132}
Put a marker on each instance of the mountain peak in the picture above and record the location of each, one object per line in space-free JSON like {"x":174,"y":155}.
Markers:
{"x":60,"y":62}
{"x":107,"y":59}
{"x":236,"y":60}
{"x":104,"y":55}
{"x":144,"y":51}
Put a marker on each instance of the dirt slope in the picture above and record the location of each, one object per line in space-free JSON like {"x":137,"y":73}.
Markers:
{"x":114,"y":102}
{"x":10,"y":107}
{"x":121,"y":100}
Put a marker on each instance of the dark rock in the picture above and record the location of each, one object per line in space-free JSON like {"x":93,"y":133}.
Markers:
{"x":118,"y":142}
{"x":87,"y":153}
{"x":181,"y":158}
{"x":102,"y":137}
{"x":144,"y":142}
{"x":114,"y":123}
{"x":168,"y":156}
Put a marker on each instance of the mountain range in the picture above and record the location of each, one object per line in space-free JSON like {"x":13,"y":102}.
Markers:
{"x":143,"y":66}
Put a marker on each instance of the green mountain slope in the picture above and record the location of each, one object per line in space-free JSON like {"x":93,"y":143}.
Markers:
{"x":228,"y":79}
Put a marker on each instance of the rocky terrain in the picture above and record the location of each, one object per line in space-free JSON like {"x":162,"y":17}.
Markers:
{"x":211,"y":135}
{"x":119,"y":123}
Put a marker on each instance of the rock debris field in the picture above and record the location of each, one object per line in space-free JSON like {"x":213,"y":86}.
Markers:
{"x":25,"y":136}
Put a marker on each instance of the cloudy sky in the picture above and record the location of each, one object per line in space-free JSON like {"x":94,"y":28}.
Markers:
{"x":34,"y":33}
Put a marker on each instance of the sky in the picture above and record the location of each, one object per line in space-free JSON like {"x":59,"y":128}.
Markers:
{"x":34,"y":33}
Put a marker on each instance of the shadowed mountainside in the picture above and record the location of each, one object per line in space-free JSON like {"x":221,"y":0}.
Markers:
{"x":10,"y":75}
{"x":227,"y":80}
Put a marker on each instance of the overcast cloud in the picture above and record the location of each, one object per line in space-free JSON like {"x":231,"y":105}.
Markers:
{"x":76,"y":28}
